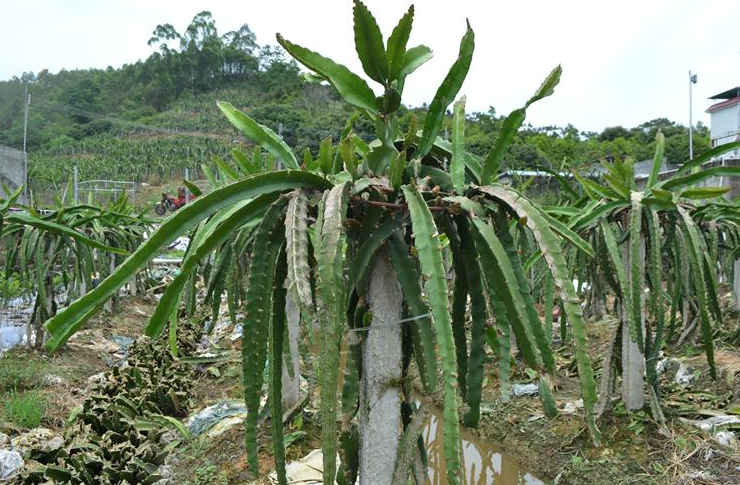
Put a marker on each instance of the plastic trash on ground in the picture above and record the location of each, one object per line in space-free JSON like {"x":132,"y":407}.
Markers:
{"x":10,"y":463}
{"x":210,"y":417}
{"x":307,"y":471}
{"x":521,"y":390}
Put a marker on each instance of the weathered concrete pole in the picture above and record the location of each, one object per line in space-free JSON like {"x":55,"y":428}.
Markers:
{"x":291,"y":375}
{"x":736,"y":282}
{"x":380,"y":392}
{"x":633,"y":360}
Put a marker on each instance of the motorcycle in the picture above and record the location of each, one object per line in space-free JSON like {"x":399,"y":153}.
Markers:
{"x":170,"y":203}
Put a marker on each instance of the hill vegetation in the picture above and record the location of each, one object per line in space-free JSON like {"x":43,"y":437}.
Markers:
{"x":149,"y":120}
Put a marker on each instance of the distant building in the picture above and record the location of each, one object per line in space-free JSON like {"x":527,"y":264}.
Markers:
{"x":725,"y":119}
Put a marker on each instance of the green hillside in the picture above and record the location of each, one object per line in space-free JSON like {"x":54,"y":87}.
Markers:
{"x":149,"y":120}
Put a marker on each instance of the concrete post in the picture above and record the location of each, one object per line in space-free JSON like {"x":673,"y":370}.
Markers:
{"x":380,"y":393}
{"x":291,"y":383}
{"x":633,"y":360}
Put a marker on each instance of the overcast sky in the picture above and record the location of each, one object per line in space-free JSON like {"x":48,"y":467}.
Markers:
{"x":624,"y":62}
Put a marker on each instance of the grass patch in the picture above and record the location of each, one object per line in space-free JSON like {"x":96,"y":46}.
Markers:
{"x":19,"y":375}
{"x":24,"y":409}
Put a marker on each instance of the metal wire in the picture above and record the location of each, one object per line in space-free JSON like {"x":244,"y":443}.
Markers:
{"x":388,"y":325}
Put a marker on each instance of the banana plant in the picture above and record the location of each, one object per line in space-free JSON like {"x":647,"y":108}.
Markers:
{"x":656,"y":250}
{"x":358,"y":233}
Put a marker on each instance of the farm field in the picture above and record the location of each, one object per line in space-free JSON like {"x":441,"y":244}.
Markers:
{"x":376,"y":299}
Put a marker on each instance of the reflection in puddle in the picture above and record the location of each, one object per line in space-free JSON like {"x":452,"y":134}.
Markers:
{"x":14,"y":313}
{"x":482,"y":462}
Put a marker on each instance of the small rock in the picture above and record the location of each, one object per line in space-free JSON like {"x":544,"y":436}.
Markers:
{"x":4,"y":441}
{"x":51,"y":380}
{"x":96,"y":379}
{"x":572,"y":407}
{"x":38,"y":439}
{"x":10,"y":463}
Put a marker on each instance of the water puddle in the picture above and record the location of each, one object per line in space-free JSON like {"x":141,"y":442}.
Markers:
{"x":14,"y":314}
{"x":483,"y":462}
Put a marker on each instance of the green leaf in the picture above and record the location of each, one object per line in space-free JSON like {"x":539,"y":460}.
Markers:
{"x":330,"y":293}
{"x":369,"y":44}
{"x":351,"y":87}
{"x":657,"y":298}
{"x":457,"y":165}
{"x":414,"y":58}
{"x":511,"y":126}
{"x":548,"y":244}
{"x":396,"y":48}
{"x":347,"y":152}
{"x":569,"y":235}
{"x":398,"y":165}
{"x":70,"y":319}
{"x":700,"y":193}
{"x":228,"y":174}
{"x":264,"y":136}
{"x":695,"y":178}
{"x":446,"y":93}
{"x":380,"y":158}
{"x":192,"y":188}
{"x":706,"y":156}
{"x":277,"y":328}
{"x":479,"y":320}
{"x":199,"y":250}
{"x":548,"y":402}
{"x":534,"y":320}
{"x":54,"y":228}
{"x":407,"y":270}
{"x":430,"y":258}
{"x":501,"y":280}
{"x":369,"y":247}
{"x":258,"y":310}
{"x":459,"y":305}
{"x":694,"y":247}
{"x":296,"y":246}
{"x":624,"y":283}
{"x":244,"y":163}
{"x":325,"y":159}
{"x":657,"y":159}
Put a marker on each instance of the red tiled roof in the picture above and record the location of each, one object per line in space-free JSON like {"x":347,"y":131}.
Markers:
{"x":723,"y":104}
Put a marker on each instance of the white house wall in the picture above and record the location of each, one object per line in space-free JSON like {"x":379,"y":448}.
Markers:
{"x":725,"y":124}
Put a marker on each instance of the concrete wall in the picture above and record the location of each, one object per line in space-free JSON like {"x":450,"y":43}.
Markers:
{"x":11,"y":169}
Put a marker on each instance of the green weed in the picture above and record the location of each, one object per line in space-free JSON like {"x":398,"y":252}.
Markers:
{"x":24,"y":409}
{"x":208,"y":474}
{"x":17,"y":375}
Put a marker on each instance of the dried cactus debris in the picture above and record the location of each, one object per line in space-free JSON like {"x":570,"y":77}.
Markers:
{"x":115,"y":438}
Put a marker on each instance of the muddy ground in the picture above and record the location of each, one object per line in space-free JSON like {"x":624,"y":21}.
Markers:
{"x":635,"y":448}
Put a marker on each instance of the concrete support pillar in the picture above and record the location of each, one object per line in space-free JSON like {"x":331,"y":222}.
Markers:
{"x":291,"y":375}
{"x":633,"y":360}
{"x":380,"y":392}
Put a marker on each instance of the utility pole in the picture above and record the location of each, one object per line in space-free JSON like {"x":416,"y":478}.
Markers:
{"x":692,"y":80}
{"x":27,"y":101}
